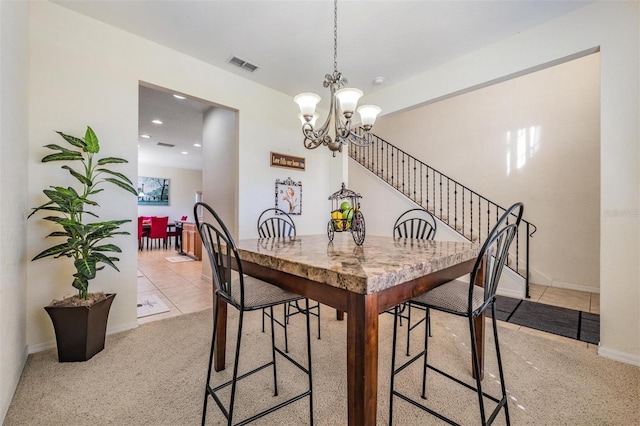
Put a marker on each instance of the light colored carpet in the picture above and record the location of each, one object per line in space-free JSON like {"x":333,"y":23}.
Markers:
{"x":177,"y":259}
{"x":150,"y":305}
{"x":154,"y":375}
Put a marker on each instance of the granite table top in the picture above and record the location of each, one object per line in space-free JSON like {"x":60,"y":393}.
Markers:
{"x":380,"y":263}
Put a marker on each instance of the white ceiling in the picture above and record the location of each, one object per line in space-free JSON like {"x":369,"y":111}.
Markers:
{"x":292,"y":41}
{"x":181,"y":126}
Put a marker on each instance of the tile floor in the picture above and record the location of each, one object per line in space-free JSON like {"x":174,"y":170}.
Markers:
{"x":181,"y":287}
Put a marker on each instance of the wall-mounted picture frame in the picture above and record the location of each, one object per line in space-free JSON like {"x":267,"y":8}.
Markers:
{"x":289,"y":196}
{"x":153,"y":191}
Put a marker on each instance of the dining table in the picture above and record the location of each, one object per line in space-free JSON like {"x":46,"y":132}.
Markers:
{"x":361,"y":281}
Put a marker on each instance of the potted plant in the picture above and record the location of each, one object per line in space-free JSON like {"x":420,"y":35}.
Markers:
{"x":80,"y":321}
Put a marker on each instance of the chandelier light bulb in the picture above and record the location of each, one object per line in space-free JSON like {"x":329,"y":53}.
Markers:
{"x":368,"y":114}
{"x":348,"y":98}
{"x":307,"y":103}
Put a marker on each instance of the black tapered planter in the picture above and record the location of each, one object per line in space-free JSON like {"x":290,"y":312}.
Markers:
{"x":80,"y":330}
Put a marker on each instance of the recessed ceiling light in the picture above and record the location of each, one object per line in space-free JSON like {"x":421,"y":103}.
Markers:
{"x":179,"y":96}
{"x":145,"y":136}
{"x":197,"y":144}
{"x":156,"y":121}
{"x":185,"y":152}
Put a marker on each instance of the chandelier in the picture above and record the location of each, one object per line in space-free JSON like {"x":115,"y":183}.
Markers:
{"x":343,"y":104}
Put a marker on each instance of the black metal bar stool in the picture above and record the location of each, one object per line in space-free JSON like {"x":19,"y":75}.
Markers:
{"x":276,"y":223}
{"x":245,"y":294}
{"x":468,"y":300}
{"x":418,"y":224}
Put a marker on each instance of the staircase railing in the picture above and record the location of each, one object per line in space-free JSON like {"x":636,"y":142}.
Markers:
{"x":464,"y":210}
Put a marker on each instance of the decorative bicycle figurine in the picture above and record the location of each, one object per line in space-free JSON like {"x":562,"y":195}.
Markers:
{"x":346,"y":215}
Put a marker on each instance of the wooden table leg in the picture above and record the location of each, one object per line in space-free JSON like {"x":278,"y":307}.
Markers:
{"x":362,"y":359}
{"x":221,"y":336}
{"x":478,"y":324}
{"x":339,"y":315}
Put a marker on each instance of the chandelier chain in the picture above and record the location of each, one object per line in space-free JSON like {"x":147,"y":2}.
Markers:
{"x":335,"y":36}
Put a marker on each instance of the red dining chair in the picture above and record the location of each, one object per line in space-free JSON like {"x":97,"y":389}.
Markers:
{"x":158,"y":230}
{"x":140,"y":232}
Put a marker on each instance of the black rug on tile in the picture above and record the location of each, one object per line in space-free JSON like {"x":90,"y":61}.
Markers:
{"x":552,"y":319}
{"x":505,"y":306}
{"x":565,"y":322}
{"x":589,"y":328}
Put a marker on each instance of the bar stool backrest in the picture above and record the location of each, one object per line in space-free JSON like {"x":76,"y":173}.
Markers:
{"x":415,"y":223}
{"x":493,"y":256}
{"x":222,"y":253}
{"x":274,"y":222}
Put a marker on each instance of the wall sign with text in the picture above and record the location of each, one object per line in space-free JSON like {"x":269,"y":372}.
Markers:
{"x":287,"y":161}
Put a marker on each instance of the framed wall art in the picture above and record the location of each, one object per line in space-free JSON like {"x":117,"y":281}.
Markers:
{"x":153,"y":191}
{"x":289,"y":196}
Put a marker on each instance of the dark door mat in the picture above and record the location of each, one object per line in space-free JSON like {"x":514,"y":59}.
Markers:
{"x":551,"y":319}
{"x":505,"y":306}
{"x":589,"y":328}
{"x":579,"y":325}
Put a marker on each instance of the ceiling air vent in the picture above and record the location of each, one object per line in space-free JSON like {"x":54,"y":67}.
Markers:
{"x":168,"y":145}
{"x":243,"y":64}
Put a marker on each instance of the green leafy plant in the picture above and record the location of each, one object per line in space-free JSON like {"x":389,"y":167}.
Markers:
{"x":84,"y":240}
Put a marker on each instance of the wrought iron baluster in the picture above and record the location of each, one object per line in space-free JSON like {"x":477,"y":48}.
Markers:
{"x":440,"y":199}
{"x":404,"y":188}
{"x":471,"y":213}
{"x":415,"y":198}
{"x":479,"y":217}
{"x":455,"y":206}
{"x":448,"y":210}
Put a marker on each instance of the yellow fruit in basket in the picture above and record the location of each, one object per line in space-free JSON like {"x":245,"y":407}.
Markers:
{"x":336,"y":215}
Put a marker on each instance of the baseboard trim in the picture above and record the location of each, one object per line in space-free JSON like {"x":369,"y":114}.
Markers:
{"x":123,"y":327}
{"x":578,"y":287}
{"x":516,"y":294}
{"x":13,"y":385}
{"x":39,"y":347}
{"x":619,"y":356}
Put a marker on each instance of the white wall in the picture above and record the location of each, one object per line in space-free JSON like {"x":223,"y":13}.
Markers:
{"x":13,"y":200}
{"x":535,"y":139}
{"x":220,"y":165}
{"x":183,"y":184}
{"x":613,"y":26}
{"x":322,"y":177}
{"x":93,"y":79}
